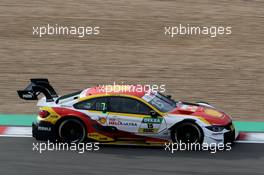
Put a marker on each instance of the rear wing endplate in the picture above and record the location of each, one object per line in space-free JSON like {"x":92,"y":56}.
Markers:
{"x":36,"y":87}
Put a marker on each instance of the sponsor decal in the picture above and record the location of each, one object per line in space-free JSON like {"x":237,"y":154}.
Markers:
{"x":42,"y":128}
{"x":27,"y":96}
{"x":150,"y":125}
{"x":152,"y":120}
{"x":148,"y":130}
{"x":54,"y":116}
{"x":123,"y":123}
{"x":102,"y":120}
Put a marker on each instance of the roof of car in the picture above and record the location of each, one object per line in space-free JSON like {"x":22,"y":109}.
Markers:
{"x":133,"y":90}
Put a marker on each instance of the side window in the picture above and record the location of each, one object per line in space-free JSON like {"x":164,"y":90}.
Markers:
{"x":128,"y":105}
{"x":98,"y":104}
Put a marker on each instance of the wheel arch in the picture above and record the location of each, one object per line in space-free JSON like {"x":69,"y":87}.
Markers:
{"x":67,"y":117}
{"x":183,"y":121}
{"x":193,"y":121}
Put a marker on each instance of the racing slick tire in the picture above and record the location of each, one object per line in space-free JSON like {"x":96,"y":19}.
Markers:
{"x":72,"y":131}
{"x":187,"y":132}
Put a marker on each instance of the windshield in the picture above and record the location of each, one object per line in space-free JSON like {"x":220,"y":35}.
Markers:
{"x":160,"y":101}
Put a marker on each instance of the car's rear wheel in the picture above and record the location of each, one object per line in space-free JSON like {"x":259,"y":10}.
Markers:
{"x":187,"y":132}
{"x":72,"y":130}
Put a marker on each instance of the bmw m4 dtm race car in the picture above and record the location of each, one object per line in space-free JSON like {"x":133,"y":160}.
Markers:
{"x":124,"y":117}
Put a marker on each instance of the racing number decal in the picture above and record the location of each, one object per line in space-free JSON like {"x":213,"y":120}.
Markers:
{"x":103,"y":106}
{"x":150,"y":125}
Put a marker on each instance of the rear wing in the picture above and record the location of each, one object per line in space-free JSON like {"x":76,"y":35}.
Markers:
{"x":36,"y":87}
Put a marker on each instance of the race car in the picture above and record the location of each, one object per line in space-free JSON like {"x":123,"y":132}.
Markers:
{"x":124,"y":114}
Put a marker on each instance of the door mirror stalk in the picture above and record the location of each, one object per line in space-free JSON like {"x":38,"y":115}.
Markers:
{"x":104,"y":111}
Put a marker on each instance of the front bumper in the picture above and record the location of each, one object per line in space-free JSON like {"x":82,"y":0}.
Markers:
{"x":228,"y":135}
{"x":43,"y":131}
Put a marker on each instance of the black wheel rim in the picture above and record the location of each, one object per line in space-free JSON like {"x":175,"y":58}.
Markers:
{"x":71,"y":131}
{"x":188,"y":134}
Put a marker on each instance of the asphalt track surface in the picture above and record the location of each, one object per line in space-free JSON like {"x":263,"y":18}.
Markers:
{"x":17,"y":157}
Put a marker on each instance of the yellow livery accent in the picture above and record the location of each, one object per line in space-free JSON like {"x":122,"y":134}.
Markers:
{"x":213,"y":113}
{"x":52,"y":118}
{"x":203,"y":120}
{"x":99,"y":137}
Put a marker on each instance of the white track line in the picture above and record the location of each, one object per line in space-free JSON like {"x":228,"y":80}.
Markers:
{"x":249,"y":141}
{"x":254,"y":136}
{"x":18,"y":136}
{"x":18,"y":131}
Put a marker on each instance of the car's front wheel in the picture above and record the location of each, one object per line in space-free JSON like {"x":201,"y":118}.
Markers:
{"x":187,"y":132}
{"x":72,"y":130}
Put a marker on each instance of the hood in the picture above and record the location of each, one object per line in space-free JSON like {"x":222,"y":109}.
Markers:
{"x":209,"y":113}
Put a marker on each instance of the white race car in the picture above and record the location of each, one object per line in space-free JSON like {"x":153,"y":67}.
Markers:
{"x":131,"y":114}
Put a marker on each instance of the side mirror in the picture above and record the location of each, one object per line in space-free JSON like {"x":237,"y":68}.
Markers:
{"x":153,"y":114}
